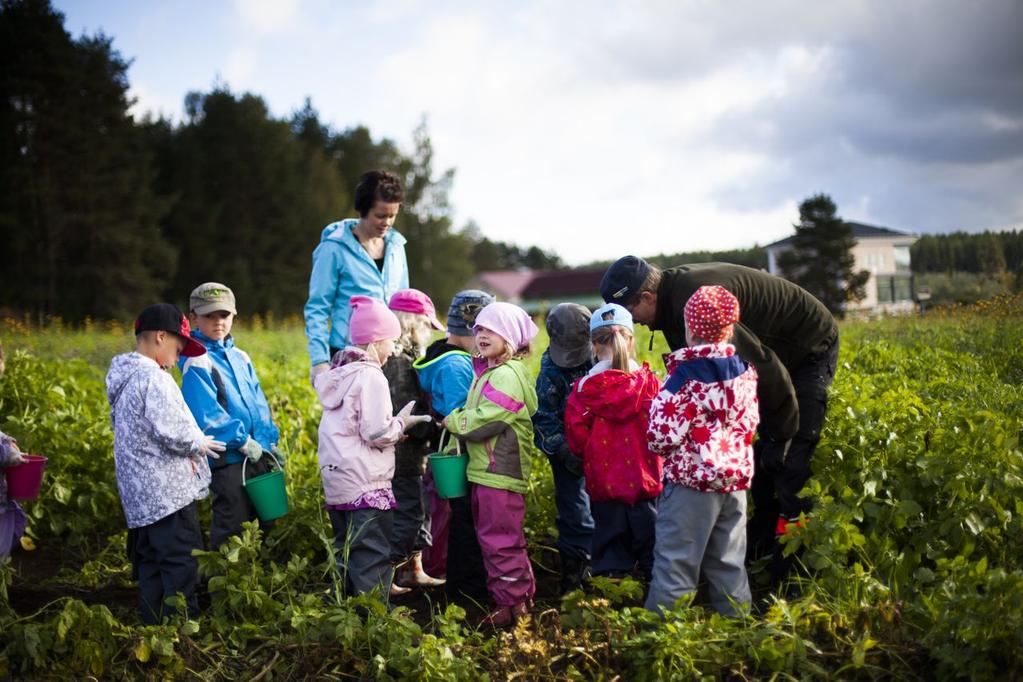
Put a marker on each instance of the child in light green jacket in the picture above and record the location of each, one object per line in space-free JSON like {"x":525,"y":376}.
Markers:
{"x":496,"y":424}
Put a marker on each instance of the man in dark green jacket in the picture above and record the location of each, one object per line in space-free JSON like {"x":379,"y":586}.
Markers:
{"x":792,"y":340}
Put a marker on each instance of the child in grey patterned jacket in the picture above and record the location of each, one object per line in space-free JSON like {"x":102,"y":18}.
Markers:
{"x":160,"y":460}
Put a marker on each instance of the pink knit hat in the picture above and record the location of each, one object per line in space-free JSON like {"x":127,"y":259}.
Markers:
{"x":371,"y":321}
{"x":711,"y":312}
{"x":415,"y":301}
{"x":510,"y":322}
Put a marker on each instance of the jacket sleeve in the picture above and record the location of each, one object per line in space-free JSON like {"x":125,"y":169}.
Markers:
{"x":174,"y":428}
{"x":7,"y":449}
{"x":670,"y":420}
{"x":578,"y":423}
{"x":323,"y":282}
{"x":377,"y":424}
{"x":200,"y":394}
{"x":548,"y":421}
{"x":500,"y":406}
{"x":779,"y":410}
{"x":268,"y":428}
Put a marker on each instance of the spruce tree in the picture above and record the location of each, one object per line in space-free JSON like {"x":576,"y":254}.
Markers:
{"x":820,"y":258}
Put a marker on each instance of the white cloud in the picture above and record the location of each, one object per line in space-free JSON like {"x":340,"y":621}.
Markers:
{"x":267,"y":16}
{"x":605,"y":127}
{"x":240,"y":67}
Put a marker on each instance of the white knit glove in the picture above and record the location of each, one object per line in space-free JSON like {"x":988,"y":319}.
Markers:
{"x":252,"y":450}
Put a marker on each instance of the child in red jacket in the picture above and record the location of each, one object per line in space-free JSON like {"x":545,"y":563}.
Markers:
{"x":606,"y":422}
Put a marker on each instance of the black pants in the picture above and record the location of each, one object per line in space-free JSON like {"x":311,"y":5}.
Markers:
{"x":231,"y":504}
{"x":776,"y":492}
{"x":465,"y":572}
{"x":363,"y":549}
{"x":410,"y":531}
{"x":623,"y":536}
{"x":162,"y":562}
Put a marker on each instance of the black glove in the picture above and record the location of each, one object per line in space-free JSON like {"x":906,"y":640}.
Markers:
{"x":773,"y":453}
{"x":570,"y":461}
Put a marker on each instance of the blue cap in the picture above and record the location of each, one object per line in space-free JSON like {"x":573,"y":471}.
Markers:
{"x":609,"y":315}
{"x":622,"y":281}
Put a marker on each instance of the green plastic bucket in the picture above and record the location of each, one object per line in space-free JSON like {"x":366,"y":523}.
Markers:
{"x":267,"y":492}
{"x":449,"y":471}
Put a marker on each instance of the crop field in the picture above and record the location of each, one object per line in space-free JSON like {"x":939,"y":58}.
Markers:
{"x":913,"y":556}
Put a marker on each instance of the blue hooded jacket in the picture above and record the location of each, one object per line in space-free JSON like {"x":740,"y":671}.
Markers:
{"x":445,"y":374}
{"x":224,"y":396}
{"x":342,"y":269}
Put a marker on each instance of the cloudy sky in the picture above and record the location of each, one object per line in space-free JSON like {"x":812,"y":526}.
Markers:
{"x":599,"y":128}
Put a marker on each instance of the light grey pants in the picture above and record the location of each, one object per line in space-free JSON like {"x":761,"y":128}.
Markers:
{"x":695,"y":531}
{"x":362,"y":541}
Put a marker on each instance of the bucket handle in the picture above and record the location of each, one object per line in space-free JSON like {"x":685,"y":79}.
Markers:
{"x":440,"y":443}
{"x":265,"y":453}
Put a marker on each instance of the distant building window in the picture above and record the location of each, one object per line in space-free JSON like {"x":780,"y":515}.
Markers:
{"x":902,"y":258}
{"x":875,"y":260}
{"x":894,"y":288}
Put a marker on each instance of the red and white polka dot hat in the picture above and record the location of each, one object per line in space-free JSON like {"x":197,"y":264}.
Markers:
{"x":711,"y":312}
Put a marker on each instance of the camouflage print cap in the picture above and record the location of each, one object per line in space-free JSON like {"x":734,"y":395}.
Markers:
{"x":465,"y":306}
{"x":211,"y":297}
{"x":568,"y":325}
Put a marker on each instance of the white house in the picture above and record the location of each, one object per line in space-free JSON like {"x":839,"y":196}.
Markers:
{"x":885,"y":254}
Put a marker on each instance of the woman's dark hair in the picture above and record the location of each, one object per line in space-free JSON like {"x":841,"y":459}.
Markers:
{"x":377,"y":185}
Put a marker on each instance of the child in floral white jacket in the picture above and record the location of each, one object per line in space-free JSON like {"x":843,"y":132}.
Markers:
{"x":702,"y":422}
{"x":160,"y":460}
{"x":358,"y":432}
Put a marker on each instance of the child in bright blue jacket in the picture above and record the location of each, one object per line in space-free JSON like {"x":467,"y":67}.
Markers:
{"x":224,"y":395}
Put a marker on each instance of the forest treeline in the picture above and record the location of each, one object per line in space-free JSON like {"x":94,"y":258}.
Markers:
{"x":101,"y":213}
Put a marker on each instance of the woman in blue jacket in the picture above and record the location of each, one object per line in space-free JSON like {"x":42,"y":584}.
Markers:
{"x":355,"y":257}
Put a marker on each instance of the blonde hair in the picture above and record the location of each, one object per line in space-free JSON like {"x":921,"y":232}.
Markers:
{"x":509,"y":353}
{"x":617,"y":338}
{"x":416,"y":332}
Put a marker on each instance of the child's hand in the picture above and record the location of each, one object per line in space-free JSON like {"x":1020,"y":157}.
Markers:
{"x":317,"y":370}
{"x":212,"y":447}
{"x":408,"y":419}
{"x":14,"y":454}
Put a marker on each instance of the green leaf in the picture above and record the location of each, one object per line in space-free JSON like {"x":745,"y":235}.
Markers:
{"x":974,"y":523}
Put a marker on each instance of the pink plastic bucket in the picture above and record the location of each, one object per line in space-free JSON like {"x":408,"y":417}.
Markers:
{"x":23,"y":480}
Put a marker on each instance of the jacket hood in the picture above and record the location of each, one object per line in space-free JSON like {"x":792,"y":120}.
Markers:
{"x":228,"y":341}
{"x":428,"y":365}
{"x":124,"y":367}
{"x":333,"y":387}
{"x":341,"y":233}
{"x":616,"y":395}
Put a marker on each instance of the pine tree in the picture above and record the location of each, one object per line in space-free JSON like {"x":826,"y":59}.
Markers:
{"x":820,"y":259}
{"x":252,"y":198}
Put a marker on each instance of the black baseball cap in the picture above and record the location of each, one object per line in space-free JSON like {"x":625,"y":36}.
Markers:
{"x":623,"y":280}
{"x":166,"y":317}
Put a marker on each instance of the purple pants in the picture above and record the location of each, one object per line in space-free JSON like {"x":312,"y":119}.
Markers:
{"x":499,"y":516}
{"x":435,"y":557}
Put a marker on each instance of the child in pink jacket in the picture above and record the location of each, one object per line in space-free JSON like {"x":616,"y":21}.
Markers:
{"x":358,"y":431}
